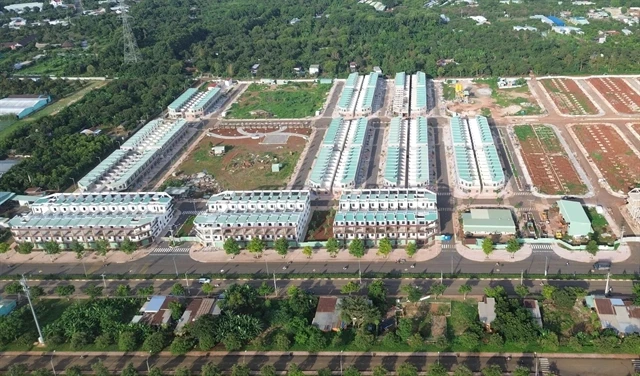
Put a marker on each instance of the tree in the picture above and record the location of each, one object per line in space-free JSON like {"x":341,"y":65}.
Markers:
{"x":73,"y":371}
{"x":79,"y":340}
{"x":462,"y":370}
{"x":36,"y":291}
{"x":128,"y":247}
{"x":464,"y":290}
{"x":521,"y":371}
{"x":155,"y":371}
{"x":178,"y":290}
{"x":380,"y":371}
{"x":592,"y":247}
{"x":177,"y":309}
{"x":281,"y":341}
{"x":155,"y":342}
{"x":231,"y":247}
{"x":182,"y":345}
{"x":413,"y":293}
{"x":307,"y":251}
{"x":547,"y":291}
{"x":415,"y":341}
{"x":182,"y":371}
{"x":522,"y":291}
{"x":406,"y":369}
{"x":99,"y":369}
{"x":437,"y":369}
{"x":25,"y":248}
{"x":385,"y":247}
{"x":411,"y":249}
{"x":17,"y":370}
{"x":437,"y":289}
{"x":359,"y":311}
{"x":378,"y":293}
{"x":268,"y":370}
{"x":232,"y":342}
{"x":207,"y":288}
{"x":129,"y":370}
{"x":127,"y":341}
{"x":635,"y":290}
{"x":51,"y":248}
{"x":333,"y":247}
{"x":66,"y":290}
{"x":256,"y":246}
{"x":487,"y":246}
{"x":101,"y":246}
{"x":363,"y":340}
{"x":145,"y":291}
{"x":123,"y":290}
{"x":492,"y":370}
{"x":282,"y":246}
{"x":513,"y":246}
{"x":240,"y":370}
{"x":356,"y":248}
{"x":4,"y":248}
{"x":13,"y":288}
{"x":210,"y":369}
{"x":350,"y":288}
{"x":93,"y":291}
{"x":405,"y":328}
{"x":78,"y":249}
{"x":265,"y":289}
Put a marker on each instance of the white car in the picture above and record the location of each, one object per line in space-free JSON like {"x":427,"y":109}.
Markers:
{"x":204,"y":280}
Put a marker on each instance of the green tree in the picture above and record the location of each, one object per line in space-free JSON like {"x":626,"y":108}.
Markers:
{"x":73,"y":371}
{"x":437,"y":289}
{"x":333,"y":247}
{"x":65,"y":290}
{"x":281,"y":342}
{"x":155,"y":371}
{"x":256,"y":246}
{"x":101,"y":246}
{"x":592,"y":247}
{"x":231,"y":247}
{"x":79,"y":340}
{"x":240,"y":370}
{"x":487,"y":246}
{"x":129,"y":370}
{"x":182,"y":345}
{"x":128,"y":247}
{"x":513,"y":245}
{"x":378,"y":293}
{"x":265,"y":289}
{"x":415,"y":342}
{"x":210,"y":369}
{"x":207,"y":288}
{"x":547,"y":291}
{"x":36,"y":291}
{"x":356,"y":248}
{"x":13,"y":288}
{"x":351,"y":371}
{"x":78,"y":249}
{"x":25,"y":248}
{"x":405,"y":328}
{"x":155,"y":342}
{"x":635,"y":290}
{"x":413,"y":293}
{"x":492,"y":370}
{"x":123,"y":290}
{"x":363,"y":340}
{"x":231,"y":342}
{"x":4,"y":248}
{"x":380,"y":371}
{"x":281,"y":246}
{"x":268,"y":370}
{"x":178,"y":290}
{"x":464,"y":290}
{"x":17,"y":370}
{"x":350,"y":288}
{"x":51,"y":248}
{"x":145,"y":291}
{"x":127,"y":341}
{"x":93,"y":291}
{"x":406,"y":369}
{"x":462,"y":370}
{"x":359,"y":311}
{"x":307,"y":251}
{"x":177,"y":309}
{"x":521,"y":371}
{"x":99,"y":369}
{"x":437,"y":369}
{"x":385,"y":247}
{"x":522,"y":291}
{"x":411,"y":249}
{"x":182,"y":371}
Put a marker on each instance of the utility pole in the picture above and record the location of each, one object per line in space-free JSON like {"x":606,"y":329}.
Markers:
{"x":546,"y":261}
{"x":359,"y":271}
{"x":175,"y":266}
{"x":452,"y":265}
{"x":521,"y":276}
{"x":606,"y":288}
{"x":275,"y":287}
{"x":535,"y":359}
{"x":84,"y":267}
{"x":51,"y":361}
{"x":441,"y":278}
{"x":25,"y":287}
{"x":266,"y":264}
{"x":104,"y":282}
{"x":622,"y":233}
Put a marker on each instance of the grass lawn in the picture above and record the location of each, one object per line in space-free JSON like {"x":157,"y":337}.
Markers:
{"x":295,"y":100}
{"x":51,"y":109}
{"x":448,"y":92}
{"x":518,"y":96}
{"x":54,"y":65}
{"x":186,"y":227}
{"x":523,"y":132}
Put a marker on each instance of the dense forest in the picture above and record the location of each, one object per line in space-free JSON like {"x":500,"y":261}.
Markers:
{"x":55,"y":88}
{"x":59,"y":153}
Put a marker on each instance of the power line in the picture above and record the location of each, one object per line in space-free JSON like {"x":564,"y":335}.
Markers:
{"x":131,"y":51}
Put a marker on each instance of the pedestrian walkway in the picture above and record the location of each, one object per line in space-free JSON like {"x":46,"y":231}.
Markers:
{"x":636,"y":365}
{"x":448,"y":246}
{"x":171,"y":250}
{"x":498,"y":255}
{"x":191,"y":212}
{"x":544,"y":366}
{"x":621,"y":254}
{"x":542,"y":248}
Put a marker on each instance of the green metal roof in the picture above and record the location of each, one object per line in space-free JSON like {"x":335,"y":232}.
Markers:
{"x":465,"y":166}
{"x":422,"y":78}
{"x":370,"y":90}
{"x":245,"y":218}
{"x":199,"y":105}
{"x":360,"y":131}
{"x":485,"y":131}
{"x":321,"y":166}
{"x":352,"y":80}
{"x":102,"y":168}
{"x":575,"y":215}
{"x":182,"y":99}
{"x":488,"y":221}
{"x":330,"y":136}
{"x":142,"y":134}
{"x":459,"y":131}
{"x":395,"y":130}
{"x":392,"y":166}
{"x":419,"y":166}
{"x":352,"y":162}
{"x":345,"y":98}
{"x":259,"y":196}
{"x":6,"y":196}
{"x":420,"y":131}
{"x":390,"y":194}
{"x":72,"y":220}
{"x":401,"y":78}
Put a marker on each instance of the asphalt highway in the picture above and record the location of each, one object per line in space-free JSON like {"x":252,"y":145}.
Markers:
{"x":363,"y":362}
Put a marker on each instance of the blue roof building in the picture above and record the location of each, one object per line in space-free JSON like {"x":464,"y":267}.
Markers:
{"x":556,"y":21}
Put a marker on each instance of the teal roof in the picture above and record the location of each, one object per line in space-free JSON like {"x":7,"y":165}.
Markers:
{"x":331,"y":135}
{"x":72,"y":220}
{"x":177,"y":126}
{"x":26,"y":198}
{"x":73,"y":199}
{"x":395,"y":131}
{"x":245,"y":218}
{"x":346,"y":97}
{"x":485,"y":131}
{"x":420,"y":131}
{"x":575,"y":215}
{"x":392,"y":166}
{"x":259,"y":196}
{"x":351,"y":81}
{"x":352,"y":162}
{"x":488,"y":221}
{"x":321,"y":166}
{"x":131,"y":170}
{"x":422,"y":78}
{"x":493,"y":161}
{"x":390,"y":194}
{"x":420,"y":91}
{"x":465,"y":166}
{"x":199,"y":105}
{"x":102,"y":168}
{"x":360,"y":131}
{"x":401,"y":78}
{"x":459,"y":131}
{"x":6,"y":196}
{"x":370,"y":90}
{"x":385,"y":216}
{"x":142,"y":134}
{"x":419,"y":168}
{"x":182,"y":99}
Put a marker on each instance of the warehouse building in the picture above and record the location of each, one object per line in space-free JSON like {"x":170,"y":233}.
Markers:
{"x":401,"y":214}
{"x":477,"y":164}
{"x":401,"y":92}
{"x":136,"y":157}
{"x":338,"y":160}
{"x":368,"y":95}
{"x":23,"y":105}
{"x":483,"y":222}
{"x":394,"y":174}
{"x":243,"y":215}
{"x":349,"y":97}
{"x":193,"y":104}
{"x":418,"y":94}
{"x":86,"y":217}
{"x":575,"y":217}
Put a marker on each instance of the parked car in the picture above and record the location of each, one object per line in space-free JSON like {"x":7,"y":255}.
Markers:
{"x":602,"y":265}
{"x":204,"y":280}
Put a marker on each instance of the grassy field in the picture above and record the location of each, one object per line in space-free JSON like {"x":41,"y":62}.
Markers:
{"x":48,"y":66}
{"x":518,"y":96}
{"x":296,"y":100}
{"x":6,"y":127}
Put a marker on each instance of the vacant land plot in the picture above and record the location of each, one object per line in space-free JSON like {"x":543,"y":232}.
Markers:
{"x":622,"y":97}
{"x":547,"y":162}
{"x":568,"y":97}
{"x":321,"y":225}
{"x":247,"y":163}
{"x":615,"y":159}
{"x":516,"y":101}
{"x":296,"y":100}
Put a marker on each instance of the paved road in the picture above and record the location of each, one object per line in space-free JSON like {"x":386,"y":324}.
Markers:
{"x":363,"y":362}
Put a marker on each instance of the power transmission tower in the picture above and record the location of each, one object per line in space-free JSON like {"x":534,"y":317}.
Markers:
{"x":131,"y":52}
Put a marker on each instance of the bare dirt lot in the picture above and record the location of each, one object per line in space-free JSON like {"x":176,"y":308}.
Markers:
{"x":547,"y":162}
{"x":622,"y":97}
{"x":568,"y":97}
{"x":246,"y":164}
{"x":615,"y":159}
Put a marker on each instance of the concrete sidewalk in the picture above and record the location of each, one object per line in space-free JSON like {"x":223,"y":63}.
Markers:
{"x":319,"y":255}
{"x":498,"y":255}
{"x":68,"y":257}
{"x":621,"y":254}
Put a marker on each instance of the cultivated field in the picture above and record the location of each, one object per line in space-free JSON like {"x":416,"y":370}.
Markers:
{"x":622,"y":97}
{"x":546,"y":160}
{"x":615,"y":159}
{"x":568,"y":97}
{"x":291,"y":101}
{"x":246,"y":165}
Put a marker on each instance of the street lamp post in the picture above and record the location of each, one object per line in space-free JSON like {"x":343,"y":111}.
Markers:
{"x":25,"y":287}
{"x":359,"y":271}
{"x":175,"y":266}
{"x":84,"y":267}
{"x":148,"y":368}
{"x":104,"y":282}
{"x":546,"y":261}
{"x":341,"y":351}
{"x":51,"y":361}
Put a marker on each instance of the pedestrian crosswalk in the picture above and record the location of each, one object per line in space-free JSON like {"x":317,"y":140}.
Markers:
{"x":544,"y":366}
{"x":636,"y":365}
{"x":448,"y":245}
{"x":541,"y":248}
{"x":529,"y":209}
{"x":171,"y":250}
{"x":191,"y":212}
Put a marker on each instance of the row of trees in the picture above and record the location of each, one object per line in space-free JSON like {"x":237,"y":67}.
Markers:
{"x":56,"y":88}
{"x":100,"y":246}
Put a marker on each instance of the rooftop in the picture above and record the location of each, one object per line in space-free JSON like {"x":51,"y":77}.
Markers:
{"x":259,"y":196}
{"x":17,"y":104}
{"x":488,"y":221}
{"x":389,"y":195}
{"x":128,"y":198}
{"x":177,"y":104}
{"x":574,"y":214}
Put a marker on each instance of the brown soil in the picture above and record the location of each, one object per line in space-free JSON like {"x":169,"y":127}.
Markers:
{"x":568,"y":97}
{"x":618,"y":93}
